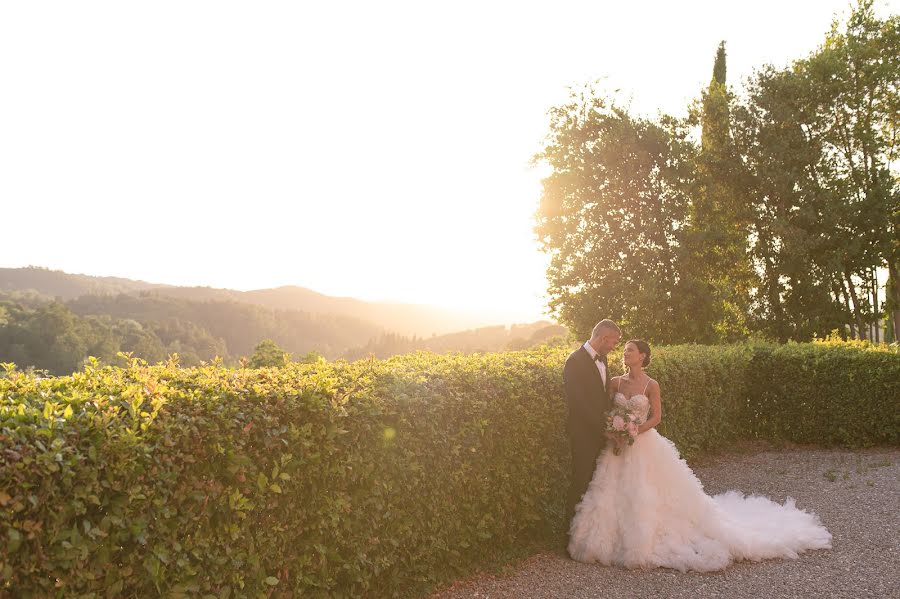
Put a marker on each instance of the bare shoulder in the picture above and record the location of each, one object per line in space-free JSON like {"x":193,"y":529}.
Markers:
{"x":652,"y":384}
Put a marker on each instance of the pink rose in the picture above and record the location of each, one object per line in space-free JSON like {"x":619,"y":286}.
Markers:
{"x":632,"y":429}
{"x":618,"y":423}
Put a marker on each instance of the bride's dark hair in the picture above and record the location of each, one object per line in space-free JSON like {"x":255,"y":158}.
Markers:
{"x":642,"y":347}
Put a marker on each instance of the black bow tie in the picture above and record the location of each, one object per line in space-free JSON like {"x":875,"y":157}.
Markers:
{"x":599,"y":358}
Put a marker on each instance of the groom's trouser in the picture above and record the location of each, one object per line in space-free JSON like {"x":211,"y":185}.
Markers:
{"x":583,"y":463}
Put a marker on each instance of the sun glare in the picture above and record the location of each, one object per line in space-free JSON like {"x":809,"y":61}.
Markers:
{"x":360,"y":150}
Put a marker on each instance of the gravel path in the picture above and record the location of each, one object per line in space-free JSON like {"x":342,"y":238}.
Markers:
{"x":855,"y":493}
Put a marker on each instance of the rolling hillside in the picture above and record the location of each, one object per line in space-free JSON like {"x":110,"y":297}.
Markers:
{"x":403,"y":319}
{"x":53,"y":320}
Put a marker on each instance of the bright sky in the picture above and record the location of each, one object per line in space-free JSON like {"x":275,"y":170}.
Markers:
{"x":369,"y":149}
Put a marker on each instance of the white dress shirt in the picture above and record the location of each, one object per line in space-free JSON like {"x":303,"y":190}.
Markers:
{"x":600,"y":365}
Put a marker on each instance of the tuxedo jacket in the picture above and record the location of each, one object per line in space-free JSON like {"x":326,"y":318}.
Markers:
{"x":587,"y":400}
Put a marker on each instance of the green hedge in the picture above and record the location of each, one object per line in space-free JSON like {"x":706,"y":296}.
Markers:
{"x":369,"y":479}
{"x":377,"y":478}
{"x":845,"y":394}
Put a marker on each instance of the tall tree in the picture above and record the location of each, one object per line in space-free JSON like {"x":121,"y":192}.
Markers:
{"x":790,"y":216}
{"x":611,"y":216}
{"x":853,"y":89}
{"x":783,"y":221}
{"x":818,"y":140}
{"x":716,"y":249}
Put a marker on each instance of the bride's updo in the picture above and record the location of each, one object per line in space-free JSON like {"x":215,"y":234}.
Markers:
{"x":643,"y":347}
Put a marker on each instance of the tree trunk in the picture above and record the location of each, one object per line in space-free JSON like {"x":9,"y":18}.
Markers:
{"x":856,"y":313}
{"x":876,"y":315}
{"x":892,"y":292}
{"x":840,"y":294}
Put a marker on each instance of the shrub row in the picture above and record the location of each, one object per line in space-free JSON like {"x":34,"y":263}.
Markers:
{"x":368,"y":479}
{"x":376,"y":478}
{"x":835,"y":394}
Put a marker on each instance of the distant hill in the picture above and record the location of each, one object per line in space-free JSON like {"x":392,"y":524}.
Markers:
{"x":403,"y":319}
{"x":53,"y":320}
{"x":484,"y":339}
{"x":240,"y":324}
{"x":56,"y":283}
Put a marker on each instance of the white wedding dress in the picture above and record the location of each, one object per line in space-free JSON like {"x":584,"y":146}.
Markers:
{"x":645,"y":508}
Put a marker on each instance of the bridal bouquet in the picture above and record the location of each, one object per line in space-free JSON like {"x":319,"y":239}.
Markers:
{"x":622,"y":424}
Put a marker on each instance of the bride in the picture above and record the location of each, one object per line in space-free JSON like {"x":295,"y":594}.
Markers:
{"x":645,"y":508}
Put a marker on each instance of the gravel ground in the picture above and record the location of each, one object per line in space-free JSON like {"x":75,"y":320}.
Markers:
{"x":855,"y":493}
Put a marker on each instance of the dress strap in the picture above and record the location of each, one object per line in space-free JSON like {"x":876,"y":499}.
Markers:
{"x":645,"y":386}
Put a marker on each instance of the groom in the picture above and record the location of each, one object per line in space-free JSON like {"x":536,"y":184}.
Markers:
{"x":586,"y":378}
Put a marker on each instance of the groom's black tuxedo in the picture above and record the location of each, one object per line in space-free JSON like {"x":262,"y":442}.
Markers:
{"x":588,"y":402}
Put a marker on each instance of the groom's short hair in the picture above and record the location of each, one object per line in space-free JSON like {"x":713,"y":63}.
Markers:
{"x":603,"y":327}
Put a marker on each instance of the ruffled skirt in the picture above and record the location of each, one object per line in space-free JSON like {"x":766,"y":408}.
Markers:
{"x":645,"y":508}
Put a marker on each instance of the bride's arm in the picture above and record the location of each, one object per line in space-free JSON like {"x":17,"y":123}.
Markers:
{"x":655,"y":408}
{"x":613,"y":388}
